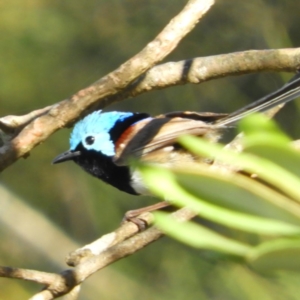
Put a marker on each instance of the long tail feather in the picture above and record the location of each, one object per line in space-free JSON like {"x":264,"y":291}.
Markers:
{"x":288,"y":92}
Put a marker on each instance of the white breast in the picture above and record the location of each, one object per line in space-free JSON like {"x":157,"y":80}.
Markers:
{"x":138,"y":184}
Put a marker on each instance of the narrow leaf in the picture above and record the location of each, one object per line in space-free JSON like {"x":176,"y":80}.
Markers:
{"x":280,"y":254}
{"x":163,"y":183}
{"x":198,"y":236}
{"x":264,"y":168}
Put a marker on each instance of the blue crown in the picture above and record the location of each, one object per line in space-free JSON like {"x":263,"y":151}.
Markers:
{"x":98,"y":125}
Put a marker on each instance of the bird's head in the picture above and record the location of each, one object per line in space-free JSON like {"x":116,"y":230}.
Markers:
{"x":98,"y":132}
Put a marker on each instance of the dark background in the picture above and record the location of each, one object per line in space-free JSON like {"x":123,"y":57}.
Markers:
{"x":51,"y":49}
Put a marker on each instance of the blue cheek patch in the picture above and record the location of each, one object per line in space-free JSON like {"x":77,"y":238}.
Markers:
{"x":97,"y":124}
{"x":102,"y":144}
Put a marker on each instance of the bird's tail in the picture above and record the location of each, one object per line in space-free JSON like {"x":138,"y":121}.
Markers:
{"x":288,"y":92}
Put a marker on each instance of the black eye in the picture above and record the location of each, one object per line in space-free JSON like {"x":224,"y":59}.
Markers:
{"x":90,"y":140}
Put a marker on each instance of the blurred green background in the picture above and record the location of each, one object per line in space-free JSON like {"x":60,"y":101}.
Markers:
{"x":51,"y":49}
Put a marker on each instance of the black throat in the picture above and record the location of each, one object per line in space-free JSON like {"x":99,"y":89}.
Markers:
{"x":103,"y":168}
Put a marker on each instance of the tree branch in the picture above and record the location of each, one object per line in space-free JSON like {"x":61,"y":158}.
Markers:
{"x":26,"y":132}
{"x":94,"y":257}
{"x":67,"y":111}
{"x":138,"y":75}
{"x":194,"y":70}
{"x":201,"y":69}
{"x":30,"y":275}
{"x":44,"y":122}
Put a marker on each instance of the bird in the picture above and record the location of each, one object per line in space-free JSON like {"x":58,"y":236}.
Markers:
{"x":102,"y":143}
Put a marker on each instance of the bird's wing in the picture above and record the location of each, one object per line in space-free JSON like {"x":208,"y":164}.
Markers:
{"x":151,"y":134}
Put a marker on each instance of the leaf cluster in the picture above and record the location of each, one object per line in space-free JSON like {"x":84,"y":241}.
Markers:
{"x":254,"y":191}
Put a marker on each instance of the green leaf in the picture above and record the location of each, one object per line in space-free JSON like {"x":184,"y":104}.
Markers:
{"x":263,"y":138}
{"x":283,"y":155}
{"x":198,"y":236}
{"x":280,"y":254}
{"x":163,"y":183}
{"x":265,"y":207}
{"x":258,"y":128}
{"x":239,"y":193}
{"x":266,"y":170}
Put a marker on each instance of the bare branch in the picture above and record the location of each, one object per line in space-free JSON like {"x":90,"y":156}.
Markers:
{"x":30,"y":275}
{"x":67,"y":111}
{"x":200,"y":69}
{"x":194,"y":70}
{"x":124,"y":232}
{"x":68,"y":281}
{"x":90,"y":263}
{"x":9,"y":124}
{"x":26,"y":132}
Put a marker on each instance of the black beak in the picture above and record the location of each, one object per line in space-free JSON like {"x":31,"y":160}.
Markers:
{"x":68,"y":155}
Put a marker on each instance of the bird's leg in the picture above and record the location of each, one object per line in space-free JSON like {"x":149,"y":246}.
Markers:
{"x":133,"y":215}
